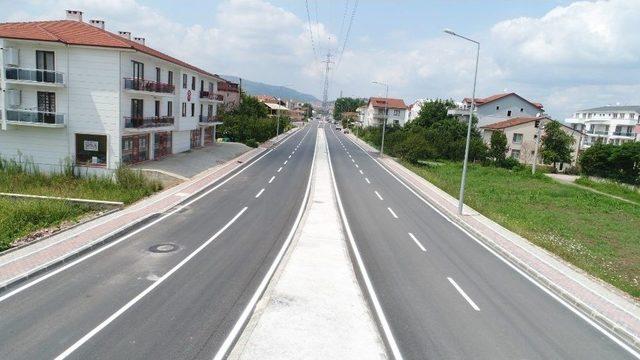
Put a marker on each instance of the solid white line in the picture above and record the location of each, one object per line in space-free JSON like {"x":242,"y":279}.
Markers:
{"x":378,"y":194}
{"x":259,"y":193}
{"x":146,"y":291}
{"x":361,"y":173}
{"x":271,"y":180}
{"x":279,"y":169}
{"x":417,"y":242}
{"x":464,"y":295}
{"x":246,"y":313}
{"x":392,"y":213}
{"x":367,"y":180}
{"x":386,"y":329}
{"x":528,"y":277}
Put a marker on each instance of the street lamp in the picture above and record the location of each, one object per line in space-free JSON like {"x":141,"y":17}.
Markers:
{"x":386,"y":113}
{"x":473,"y":104}
{"x":535,"y":151}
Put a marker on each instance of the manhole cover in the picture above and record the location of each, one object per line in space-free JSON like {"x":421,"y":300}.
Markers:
{"x":163,"y":248}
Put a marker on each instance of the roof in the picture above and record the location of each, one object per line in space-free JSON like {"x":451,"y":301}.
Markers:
{"x":276,"y":106}
{"x":501,"y":125}
{"x":390,"y":103}
{"x":73,"y":32}
{"x":228,"y":86}
{"x":267,"y":99}
{"x":483,"y":101}
{"x":635,"y":108}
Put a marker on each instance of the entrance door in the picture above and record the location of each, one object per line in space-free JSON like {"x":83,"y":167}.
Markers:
{"x":162,"y":144}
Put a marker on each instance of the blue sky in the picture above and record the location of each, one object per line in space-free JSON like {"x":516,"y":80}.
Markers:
{"x":566,"y":54}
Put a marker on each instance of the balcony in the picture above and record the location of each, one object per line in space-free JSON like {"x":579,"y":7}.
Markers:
{"x":209,"y":120}
{"x":211,"y":96}
{"x":148,"y":122}
{"x":148,"y":86}
{"x":624,"y":133}
{"x":598,"y":132}
{"x":35,"y":118}
{"x":34,"y":76}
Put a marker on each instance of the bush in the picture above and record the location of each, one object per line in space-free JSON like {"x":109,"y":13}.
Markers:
{"x":509,"y":163}
{"x":252,"y":143}
{"x":617,"y":162}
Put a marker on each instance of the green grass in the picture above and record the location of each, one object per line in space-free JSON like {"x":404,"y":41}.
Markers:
{"x":19,"y":218}
{"x":592,"y":231}
{"x":611,"y":188}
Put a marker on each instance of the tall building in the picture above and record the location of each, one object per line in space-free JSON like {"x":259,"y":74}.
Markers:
{"x":607,"y":124}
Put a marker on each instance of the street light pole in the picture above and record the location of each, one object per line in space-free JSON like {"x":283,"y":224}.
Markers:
{"x":535,"y":151}
{"x":473,"y":104}
{"x":386,"y":114}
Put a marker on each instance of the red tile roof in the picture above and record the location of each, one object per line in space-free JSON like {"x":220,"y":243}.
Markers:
{"x":391,"y":103}
{"x":79,"y":33}
{"x":511,"y":122}
{"x":482,"y":101}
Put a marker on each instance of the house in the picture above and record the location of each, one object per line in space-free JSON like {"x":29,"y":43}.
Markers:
{"x":522,"y":133}
{"x":230,"y":92}
{"x":76,"y":92}
{"x":360,"y":111}
{"x":413,"y":110}
{"x":374,"y":114}
{"x":607,"y":124}
{"x":497,"y":108}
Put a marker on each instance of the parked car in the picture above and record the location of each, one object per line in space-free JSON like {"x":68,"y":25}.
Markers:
{"x":338,"y":128}
{"x":346,"y":131}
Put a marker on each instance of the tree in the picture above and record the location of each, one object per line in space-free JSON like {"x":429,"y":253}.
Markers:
{"x":346,"y":104}
{"x":556,"y":144}
{"x":250,"y":106}
{"x":432,"y":112}
{"x":308,"y":110}
{"x":498,"y":148}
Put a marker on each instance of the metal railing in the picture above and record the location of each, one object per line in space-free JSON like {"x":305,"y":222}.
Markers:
{"x":139,"y":122}
{"x":35,"y":75}
{"x":210,"y":95}
{"x":598,"y":132}
{"x":623,"y":133}
{"x":147,"y":85}
{"x":35,"y":117}
{"x":209,"y":118}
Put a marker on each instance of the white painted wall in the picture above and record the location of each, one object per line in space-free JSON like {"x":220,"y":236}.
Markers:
{"x":498,"y":110}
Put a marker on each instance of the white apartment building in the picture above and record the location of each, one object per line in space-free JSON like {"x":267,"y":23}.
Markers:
{"x":608,"y":124}
{"x":498,"y":107}
{"x":374,"y":113}
{"x":72,"y":91}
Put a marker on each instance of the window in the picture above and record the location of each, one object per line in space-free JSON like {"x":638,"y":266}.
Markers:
{"x":46,"y":107}
{"x":497,"y":107}
{"x":169,"y":108}
{"x":615,"y":115}
{"x":91,"y":149}
{"x":170,"y":77}
{"x":521,"y":109}
{"x":184,"y":109}
{"x":515,"y":154}
{"x":137,"y":70}
{"x":632,"y":116}
{"x":193,"y":83}
{"x":201,"y":85}
{"x":184,"y":81}
{"x":157,"y":108}
{"x":396,"y":112}
{"x":210,"y":87}
{"x":158,"y":74}
{"x":193,"y":109}
{"x":45,"y":60}
{"x":137,"y":106}
{"x":508,"y":112}
{"x":201,"y":109}
{"x":517,"y":138}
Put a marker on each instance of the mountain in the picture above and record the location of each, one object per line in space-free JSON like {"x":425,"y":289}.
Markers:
{"x":283,"y":92}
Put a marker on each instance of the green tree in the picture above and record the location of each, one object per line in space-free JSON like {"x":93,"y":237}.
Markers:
{"x":346,"y":104}
{"x":498,"y":148}
{"x":556,"y":144}
{"x":250,"y":106}
{"x":308,"y":110}
{"x":594,"y":161}
{"x":432,"y":112}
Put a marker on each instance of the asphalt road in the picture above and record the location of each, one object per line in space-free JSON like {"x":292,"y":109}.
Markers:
{"x":128,"y":302}
{"x":443,"y":294}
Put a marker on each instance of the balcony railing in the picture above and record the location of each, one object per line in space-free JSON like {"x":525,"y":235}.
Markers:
{"x":598,"y":132}
{"x":147,"y":85}
{"x":138,"y":122}
{"x":209,"y":118}
{"x":35,"y":117}
{"x":35,"y":75}
{"x":623,"y":133}
{"x":210,"y":95}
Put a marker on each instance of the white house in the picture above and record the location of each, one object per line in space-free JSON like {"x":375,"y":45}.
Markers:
{"x":608,"y":124}
{"x":498,"y":107}
{"x":75,"y":92}
{"x":413,"y":110}
{"x":374,"y":114}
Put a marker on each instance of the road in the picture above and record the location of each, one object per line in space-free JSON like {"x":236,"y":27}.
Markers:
{"x":129,"y":302}
{"x":443,"y":294}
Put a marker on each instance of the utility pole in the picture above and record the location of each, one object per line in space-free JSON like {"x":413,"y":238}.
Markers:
{"x":325,"y":91}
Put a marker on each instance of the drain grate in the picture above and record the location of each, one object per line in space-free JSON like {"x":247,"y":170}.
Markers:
{"x":163,"y":248}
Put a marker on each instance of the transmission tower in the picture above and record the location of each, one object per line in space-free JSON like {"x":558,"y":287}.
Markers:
{"x":325,"y":91}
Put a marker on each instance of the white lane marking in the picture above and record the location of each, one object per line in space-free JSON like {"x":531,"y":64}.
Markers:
{"x":182,"y":194}
{"x":259,"y":193}
{"x":289,"y":156}
{"x":353,"y":161}
{"x":361,"y":173}
{"x":349,"y":156}
{"x":378,"y":194}
{"x":246,"y":313}
{"x":392,"y":213}
{"x":271,"y":180}
{"x":417,"y":242}
{"x":357,"y":165}
{"x":146,"y":291}
{"x":279,"y":169}
{"x":367,"y":180}
{"x":285,"y":162}
{"x":386,"y":329}
{"x":464,"y":295}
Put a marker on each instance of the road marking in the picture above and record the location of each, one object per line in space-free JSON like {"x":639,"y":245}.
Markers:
{"x":271,"y":180}
{"x":367,"y":180}
{"x":378,"y":194}
{"x":464,"y":295}
{"x":361,"y":173}
{"x":182,"y":194}
{"x":384,"y":324}
{"x":417,"y":242}
{"x":289,"y":156}
{"x":353,"y":161}
{"x":285,"y":162}
{"x":392,"y":213}
{"x":279,"y":169}
{"x":259,"y":193}
{"x":146,"y":291}
{"x":357,"y":165}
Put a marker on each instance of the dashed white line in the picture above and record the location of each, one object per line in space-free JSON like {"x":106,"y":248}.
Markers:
{"x":357,"y":165}
{"x":392,"y":212}
{"x":353,"y":161}
{"x":289,"y":156}
{"x":464,"y":295}
{"x":279,"y":169}
{"x":271,"y":180}
{"x":378,"y":194}
{"x":361,"y":172}
{"x":259,"y":193}
{"x":367,"y":180}
{"x":285,"y":162}
{"x":417,"y":242}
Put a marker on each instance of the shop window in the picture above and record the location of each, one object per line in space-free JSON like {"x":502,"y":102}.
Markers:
{"x":91,"y":150}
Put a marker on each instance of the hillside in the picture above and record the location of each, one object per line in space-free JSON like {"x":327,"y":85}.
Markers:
{"x":283,"y":92}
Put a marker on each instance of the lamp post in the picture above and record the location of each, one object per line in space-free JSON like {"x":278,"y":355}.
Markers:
{"x":473,"y":104}
{"x":535,"y":151}
{"x":386,"y":113}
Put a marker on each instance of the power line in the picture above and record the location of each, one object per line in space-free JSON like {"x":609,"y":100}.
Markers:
{"x":344,"y":18}
{"x":346,"y":38}
{"x":313,"y":44}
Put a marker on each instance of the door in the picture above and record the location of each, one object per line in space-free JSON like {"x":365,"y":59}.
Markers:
{"x":137,"y":74}
{"x":137,"y":113}
{"x":46,"y":107}
{"x":45,"y":63}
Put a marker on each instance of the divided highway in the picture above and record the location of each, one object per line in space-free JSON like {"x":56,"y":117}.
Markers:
{"x":176,"y":289}
{"x":443,"y":294}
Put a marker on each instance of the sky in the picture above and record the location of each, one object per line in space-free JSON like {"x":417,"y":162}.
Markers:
{"x":568,"y":55}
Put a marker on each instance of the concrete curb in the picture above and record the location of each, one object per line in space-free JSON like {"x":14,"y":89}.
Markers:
{"x":619,"y":331}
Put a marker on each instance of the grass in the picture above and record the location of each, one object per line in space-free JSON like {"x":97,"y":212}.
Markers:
{"x":592,"y":231}
{"x":611,"y":188}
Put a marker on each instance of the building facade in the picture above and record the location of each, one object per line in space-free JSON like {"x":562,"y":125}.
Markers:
{"x":497,"y":108}
{"x":73,"y":92}
{"x":606,"y":124}
{"x":374,"y":113}
{"x":230,"y":92}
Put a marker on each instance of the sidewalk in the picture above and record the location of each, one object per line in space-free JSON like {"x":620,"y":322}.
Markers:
{"x":314,"y":308}
{"x":31,"y":260}
{"x":605,"y":305}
